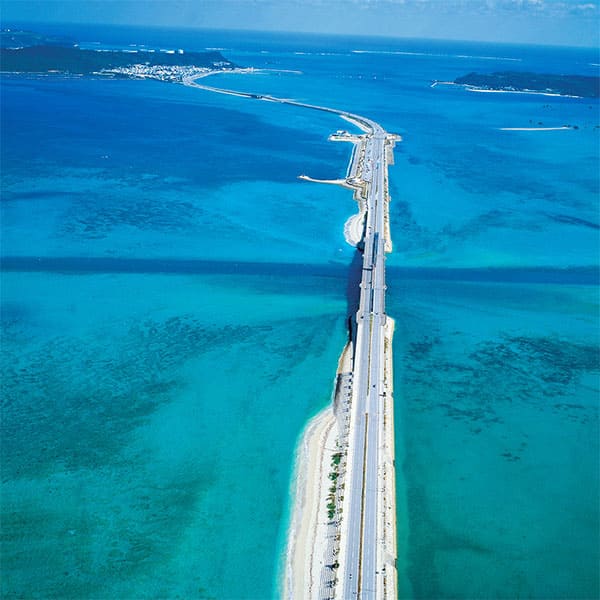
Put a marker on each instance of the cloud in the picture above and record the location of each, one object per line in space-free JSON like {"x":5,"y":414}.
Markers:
{"x":569,"y":22}
{"x":586,"y":7}
{"x":492,"y":5}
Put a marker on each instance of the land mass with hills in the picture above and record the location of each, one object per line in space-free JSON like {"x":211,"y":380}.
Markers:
{"x":564,"y":85}
{"x":27,"y":52}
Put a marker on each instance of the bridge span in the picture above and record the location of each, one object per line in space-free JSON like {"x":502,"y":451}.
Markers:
{"x":362,"y":562}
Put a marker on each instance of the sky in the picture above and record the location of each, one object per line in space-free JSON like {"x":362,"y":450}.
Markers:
{"x":552,"y":22}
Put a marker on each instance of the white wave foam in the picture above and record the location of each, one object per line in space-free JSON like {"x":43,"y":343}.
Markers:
{"x":462,"y":56}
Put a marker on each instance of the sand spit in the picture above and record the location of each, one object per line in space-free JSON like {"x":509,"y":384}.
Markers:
{"x":313,"y":533}
{"x":528,"y":92}
{"x":472,"y":88}
{"x":305,"y":546}
{"x":341,"y":182}
{"x":354,"y":227}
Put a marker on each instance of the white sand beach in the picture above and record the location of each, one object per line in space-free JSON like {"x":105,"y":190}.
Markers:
{"x":308,"y":533}
{"x":305,"y":546}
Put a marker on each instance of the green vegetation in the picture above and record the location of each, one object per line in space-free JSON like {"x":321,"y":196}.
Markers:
{"x":10,"y":38}
{"x":331,"y":502}
{"x":331,"y":498}
{"x":566,"y":85}
{"x":43,"y":59}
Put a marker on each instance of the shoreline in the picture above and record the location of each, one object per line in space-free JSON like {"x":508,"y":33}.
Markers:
{"x":472,"y":88}
{"x":307,"y":536}
{"x":527,"y":92}
{"x":341,"y":182}
{"x":305,"y":494}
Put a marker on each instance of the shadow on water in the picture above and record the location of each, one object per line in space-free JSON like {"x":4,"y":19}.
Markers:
{"x":583,"y":275}
{"x":79,"y":265}
{"x":353,"y":289}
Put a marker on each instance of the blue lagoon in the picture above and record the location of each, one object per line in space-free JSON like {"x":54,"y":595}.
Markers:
{"x":174,"y":303}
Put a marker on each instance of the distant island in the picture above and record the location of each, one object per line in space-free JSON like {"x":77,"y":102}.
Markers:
{"x":512,"y":81}
{"x":28,"y":52}
{"x":17,"y":38}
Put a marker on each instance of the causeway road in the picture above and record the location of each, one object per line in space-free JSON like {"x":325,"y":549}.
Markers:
{"x":362,"y":572}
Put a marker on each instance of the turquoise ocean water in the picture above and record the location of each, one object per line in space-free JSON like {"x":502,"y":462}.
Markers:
{"x":174,"y":300}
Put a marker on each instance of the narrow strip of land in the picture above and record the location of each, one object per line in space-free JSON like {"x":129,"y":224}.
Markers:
{"x":340,"y":544}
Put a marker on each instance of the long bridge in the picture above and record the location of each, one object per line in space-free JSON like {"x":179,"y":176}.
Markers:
{"x":365,"y":563}
{"x":365,"y":569}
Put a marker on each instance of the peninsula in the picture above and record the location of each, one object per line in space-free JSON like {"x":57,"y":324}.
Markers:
{"x":342,"y":539}
{"x":26,"y":52}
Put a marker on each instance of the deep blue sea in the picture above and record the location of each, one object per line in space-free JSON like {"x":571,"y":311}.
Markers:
{"x":174,"y":303}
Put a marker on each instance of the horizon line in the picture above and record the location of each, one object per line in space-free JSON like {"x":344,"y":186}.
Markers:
{"x":284,"y":32}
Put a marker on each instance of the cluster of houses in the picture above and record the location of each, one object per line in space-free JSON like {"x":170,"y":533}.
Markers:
{"x":161,"y":72}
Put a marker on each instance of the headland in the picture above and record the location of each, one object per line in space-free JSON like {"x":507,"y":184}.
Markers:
{"x":25,"y":52}
{"x":516,"y":82}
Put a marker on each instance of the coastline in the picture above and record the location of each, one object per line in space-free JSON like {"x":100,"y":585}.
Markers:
{"x":307,"y":546}
{"x":527,"y":92}
{"x":305,"y":495}
{"x":481,"y":90}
